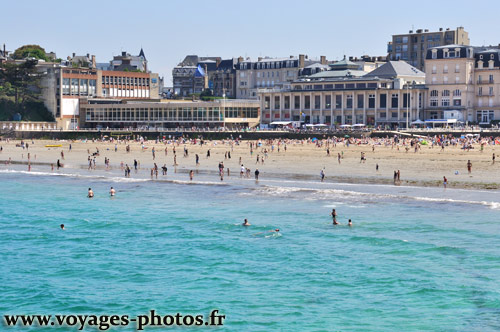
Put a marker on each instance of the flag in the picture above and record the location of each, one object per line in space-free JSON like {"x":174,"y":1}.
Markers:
{"x":201,"y":71}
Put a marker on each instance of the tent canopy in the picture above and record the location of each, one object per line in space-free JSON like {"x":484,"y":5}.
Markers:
{"x":281,"y":123}
{"x":345,"y":126}
{"x":418,"y":121}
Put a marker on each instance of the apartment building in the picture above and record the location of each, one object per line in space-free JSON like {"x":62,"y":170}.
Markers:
{"x":268,"y":73}
{"x":385,"y":96}
{"x":412,"y":47}
{"x":463,"y":81}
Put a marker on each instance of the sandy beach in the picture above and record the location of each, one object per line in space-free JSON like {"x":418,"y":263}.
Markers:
{"x":300,"y":161}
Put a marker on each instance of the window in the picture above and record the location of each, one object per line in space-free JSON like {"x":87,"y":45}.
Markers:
{"x":349,"y":101}
{"x":383,"y":100}
{"x":394,"y":100}
{"x":434,"y":53}
{"x":307,"y":102}
{"x":276,"y":102}
{"x":485,"y":116}
{"x":480,"y":91}
{"x":445,"y":102}
{"x":457,"y":68}
{"x":446,"y":93}
{"x":394,"y":115}
{"x":371,"y":101}
{"x":433,"y":102}
{"x":406,"y":97}
{"x":445,"y":69}
{"x":338,"y":101}
{"x":434,"y":69}
{"x":405,"y":39}
{"x":383,"y":115}
{"x":457,"y":102}
{"x":328,"y":102}
{"x":317,"y":102}
{"x":445,"y":79}
{"x":491,"y":91}
{"x":457,"y":93}
{"x":287,"y":102}
{"x":491,"y":79}
{"x":457,"y":79}
{"x":296,"y":102}
{"x":361,"y":100}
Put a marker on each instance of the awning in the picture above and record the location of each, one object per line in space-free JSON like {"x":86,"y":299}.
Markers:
{"x":445,"y":121}
{"x":281,"y":123}
{"x":345,"y":126}
{"x":417,"y":122}
{"x":358,"y":125}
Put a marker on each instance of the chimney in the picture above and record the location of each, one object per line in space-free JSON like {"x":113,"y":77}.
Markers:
{"x":88,"y":56}
{"x":240,"y":59}
{"x":440,"y":29}
{"x":291,"y":56}
{"x":322,"y":60}
{"x":74,"y":55}
{"x":301,"y":60}
{"x":124,"y":53}
{"x":94,"y":65}
{"x":259,"y":59}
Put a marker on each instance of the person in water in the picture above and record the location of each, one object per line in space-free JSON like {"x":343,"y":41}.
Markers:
{"x":62,"y":227}
{"x":91,"y":193}
{"x":112,"y":191}
{"x":334,"y":217}
{"x":349,"y":223}
{"x":246,"y":223}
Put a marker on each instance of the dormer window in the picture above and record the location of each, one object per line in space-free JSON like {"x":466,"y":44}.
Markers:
{"x":480,"y":56}
{"x":434,"y":54}
{"x":492,"y":56}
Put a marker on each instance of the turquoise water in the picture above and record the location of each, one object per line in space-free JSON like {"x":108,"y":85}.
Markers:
{"x":415,"y":260}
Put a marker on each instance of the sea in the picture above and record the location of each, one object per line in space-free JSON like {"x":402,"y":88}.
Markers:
{"x":415,"y":259}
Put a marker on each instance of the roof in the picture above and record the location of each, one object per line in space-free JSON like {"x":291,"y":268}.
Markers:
{"x":338,"y":74}
{"x":393,"y":69}
{"x":141,"y":53}
{"x":318,"y":65}
{"x":344,"y":63}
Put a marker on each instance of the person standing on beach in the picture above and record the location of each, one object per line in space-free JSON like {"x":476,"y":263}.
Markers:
{"x":322,"y":175}
{"x":197,"y":159}
{"x":493,"y":159}
{"x":257,"y":174}
{"x":334,"y":217}
{"x":58,"y":164}
{"x":208,"y":153}
{"x":469,"y":166}
{"x":338,"y":157}
{"x":445,"y":182}
{"x":135,"y":164}
{"x":191,"y":174}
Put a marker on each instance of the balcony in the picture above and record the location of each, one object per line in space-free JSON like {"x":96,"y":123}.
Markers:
{"x":486,"y":82}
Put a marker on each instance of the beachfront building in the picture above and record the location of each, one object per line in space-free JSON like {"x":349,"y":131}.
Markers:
{"x":463,"y":83}
{"x":270,"y":73}
{"x":347,"y":95}
{"x":98,"y":113}
{"x":64,"y":87}
{"x":195,"y":74}
{"x":412,"y":46}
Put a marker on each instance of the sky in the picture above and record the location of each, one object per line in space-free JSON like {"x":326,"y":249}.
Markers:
{"x":169,"y":30}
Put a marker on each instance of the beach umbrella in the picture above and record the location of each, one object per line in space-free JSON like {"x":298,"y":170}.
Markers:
{"x":314,"y":139}
{"x":347,"y":136}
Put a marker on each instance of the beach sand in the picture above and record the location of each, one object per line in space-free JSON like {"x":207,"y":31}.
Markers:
{"x":301,"y":161}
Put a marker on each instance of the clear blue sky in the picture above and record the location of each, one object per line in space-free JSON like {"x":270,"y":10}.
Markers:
{"x":170,"y":29}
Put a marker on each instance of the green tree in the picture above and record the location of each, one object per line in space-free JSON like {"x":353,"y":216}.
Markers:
{"x":34,"y":51}
{"x":22,"y":81}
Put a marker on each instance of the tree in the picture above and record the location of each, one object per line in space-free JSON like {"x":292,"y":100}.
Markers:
{"x":31,"y":51}
{"x":21,"y":80}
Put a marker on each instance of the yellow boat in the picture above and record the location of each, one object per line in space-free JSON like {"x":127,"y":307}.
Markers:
{"x":53,"y":145}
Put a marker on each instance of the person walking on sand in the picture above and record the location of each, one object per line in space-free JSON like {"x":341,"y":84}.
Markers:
{"x":493,"y":159}
{"x":445,"y":182}
{"x":469,"y":166}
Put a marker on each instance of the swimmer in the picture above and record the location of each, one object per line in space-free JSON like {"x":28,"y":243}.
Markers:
{"x":91,"y":193}
{"x":334,"y":217}
{"x":62,"y":227}
{"x":349,"y":223}
{"x":246,"y":223}
{"x":112,"y":191}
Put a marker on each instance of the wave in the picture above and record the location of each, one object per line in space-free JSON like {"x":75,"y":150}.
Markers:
{"x":367,"y":197}
{"x":111,"y":178}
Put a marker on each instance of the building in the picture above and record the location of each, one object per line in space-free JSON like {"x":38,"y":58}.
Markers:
{"x":348,"y":96}
{"x":275,"y":73}
{"x":127,"y":62}
{"x":99,"y":113}
{"x":368,"y":63}
{"x":64,"y":87}
{"x":412,"y":47}
{"x":463,"y":83}
{"x":80,"y":61}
